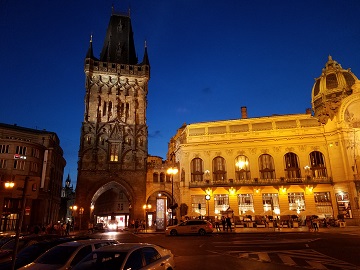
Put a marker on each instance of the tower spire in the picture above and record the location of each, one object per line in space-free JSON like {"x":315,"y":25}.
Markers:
{"x":90,"y":53}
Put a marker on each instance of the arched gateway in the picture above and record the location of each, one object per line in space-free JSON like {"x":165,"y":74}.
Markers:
{"x":114,"y":136}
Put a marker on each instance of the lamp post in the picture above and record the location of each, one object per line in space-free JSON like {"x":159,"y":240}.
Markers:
{"x":146,"y":207}
{"x":81,"y":212}
{"x":207,"y":198}
{"x":172,"y":172}
{"x":19,"y":223}
{"x":73,"y":214}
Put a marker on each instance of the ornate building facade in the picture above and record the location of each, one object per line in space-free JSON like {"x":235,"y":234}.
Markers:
{"x":282,"y":164}
{"x":33,"y":161}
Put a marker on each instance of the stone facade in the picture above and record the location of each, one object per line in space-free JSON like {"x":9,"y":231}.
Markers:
{"x":303,"y":162}
{"x":37,"y":156}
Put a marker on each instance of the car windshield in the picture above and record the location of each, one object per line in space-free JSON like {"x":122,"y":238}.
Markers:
{"x":58,"y":255}
{"x":109,"y":260}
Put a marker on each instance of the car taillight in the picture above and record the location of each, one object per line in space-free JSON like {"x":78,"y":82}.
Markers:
{"x":210,"y":225}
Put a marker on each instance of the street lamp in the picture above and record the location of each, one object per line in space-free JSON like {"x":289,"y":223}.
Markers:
{"x":19,"y":223}
{"x":146,"y":207}
{"x":207,"y":198}
{"x":81,"y":212}
{"x":172,"y":172}
{"x":9,"y":184}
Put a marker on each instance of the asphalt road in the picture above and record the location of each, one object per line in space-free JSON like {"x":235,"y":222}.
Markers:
{"x":269,"y":251}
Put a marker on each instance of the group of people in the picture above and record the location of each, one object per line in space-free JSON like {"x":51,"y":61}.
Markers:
{"x":62,"y":229}
{"x":225,"y":222}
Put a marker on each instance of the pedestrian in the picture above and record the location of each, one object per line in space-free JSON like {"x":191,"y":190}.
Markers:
{"x":315,"y":225}
{"x":217,"y":225}
{"x":228,"y":224}
{"x":136,"y":225}
{"x":67,"y":229}
{"x":223,"y":222}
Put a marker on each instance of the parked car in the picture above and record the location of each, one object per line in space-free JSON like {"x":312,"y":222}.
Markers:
{"x":129,"y":256}
{"x":196,"y":226}
{"x":67,"y":255}
{"x":7,"y":248}
{"x":32,"y":252}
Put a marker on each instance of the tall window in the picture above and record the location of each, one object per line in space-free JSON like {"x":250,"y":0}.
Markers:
{"x":2,"y":163}
{"x":19,"y":164}
{"x":21,"y":150}
{"x":271,"y":203}
{"x":221,"y":202}
{"x":267,"y":168}
{"x":162,"y":177}
{"x":155,"y":177}
{"x":198,"y":205}
{"x":292,"y":168}
{"x":4,"y":148}
{"x":296,"y":201}
{"x":245,"y":203}
{"x":242,"y":168}
{"x":317,"y":161}
{"x":219,"y":169}
{"x":114,"y":151}
{"x":323,"y":203}
{"x":197,"y":169}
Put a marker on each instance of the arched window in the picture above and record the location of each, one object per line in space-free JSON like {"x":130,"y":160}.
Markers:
{"x":242,"y":168}
{"x":162,"y":177}
{"x":155,"y":177}
{"x":197,"y":169}
{"x":317,"y":167}
{"x":292,"y":168}
{"x":267,"y":168}
{"x":219,"y":169}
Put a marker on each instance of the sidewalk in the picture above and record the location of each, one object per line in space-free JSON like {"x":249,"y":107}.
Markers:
{"x":302,"y":229}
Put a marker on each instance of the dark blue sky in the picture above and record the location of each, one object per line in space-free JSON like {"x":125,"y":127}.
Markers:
{"x":208,"y":58}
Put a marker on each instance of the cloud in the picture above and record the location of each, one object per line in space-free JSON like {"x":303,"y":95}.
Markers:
{"x":155,"y":134}
{"x":206,"y":90}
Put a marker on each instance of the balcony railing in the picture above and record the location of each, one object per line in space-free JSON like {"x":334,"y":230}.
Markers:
{"x":262,"y":182}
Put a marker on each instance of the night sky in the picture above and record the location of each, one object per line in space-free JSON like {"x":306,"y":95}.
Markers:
{"x":208,"y":58}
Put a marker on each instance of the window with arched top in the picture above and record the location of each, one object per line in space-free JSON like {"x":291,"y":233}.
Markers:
{"x":162,"y":177}
{"x":292,"y":166}
{"x":317,"y":164}
{"x":219,"y":169}
{"x":155,"y":177}
{"x":242,"y":168}
{"x":197,"y":170}
{"x":266,"y":167}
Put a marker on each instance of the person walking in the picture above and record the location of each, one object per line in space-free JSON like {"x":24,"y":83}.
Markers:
{"x":228,"y":224}
{"x":223,"y":222}
{"x":217,"y":225}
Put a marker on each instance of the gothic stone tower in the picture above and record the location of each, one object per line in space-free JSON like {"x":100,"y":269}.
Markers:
{"x":114,"y":136}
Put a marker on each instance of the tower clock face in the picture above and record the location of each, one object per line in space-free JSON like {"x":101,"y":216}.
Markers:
{"x":207,"y":197}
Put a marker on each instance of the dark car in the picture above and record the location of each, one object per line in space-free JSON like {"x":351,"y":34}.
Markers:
{"x":32,"y":252}
{"x":7,"y":248}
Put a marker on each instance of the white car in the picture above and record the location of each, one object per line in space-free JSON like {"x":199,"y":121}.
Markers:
{"x":67,"y":255}
{"x":135,"y":256}
{"x":193,"y":226}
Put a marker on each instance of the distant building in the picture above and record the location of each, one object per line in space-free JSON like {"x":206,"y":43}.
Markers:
{"x":67,"y":200}
{"x":34,"y":157}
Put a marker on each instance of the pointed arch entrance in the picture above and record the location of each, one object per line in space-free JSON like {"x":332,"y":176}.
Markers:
{"x":111,"y":205}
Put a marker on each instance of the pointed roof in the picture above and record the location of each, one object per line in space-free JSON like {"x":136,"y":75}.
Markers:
{"x":90,"y":53}
{"x":146,"y":57}
{"x":119,"y":41}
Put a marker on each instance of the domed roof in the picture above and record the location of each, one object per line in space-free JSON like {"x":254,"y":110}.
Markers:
{"x":330,"y":88}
